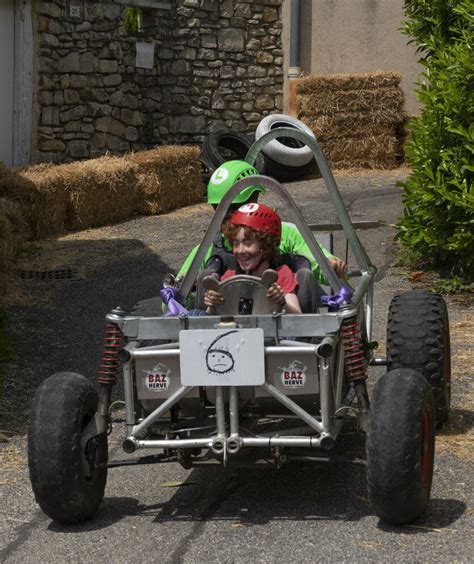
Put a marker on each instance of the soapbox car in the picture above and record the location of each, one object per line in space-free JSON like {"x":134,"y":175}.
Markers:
{"x":254,"y":385}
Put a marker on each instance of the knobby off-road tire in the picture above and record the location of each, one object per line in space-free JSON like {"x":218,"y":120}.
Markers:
{"x":400,"y":446}
{"x":67,"y":492}
{"x":418,"y":338}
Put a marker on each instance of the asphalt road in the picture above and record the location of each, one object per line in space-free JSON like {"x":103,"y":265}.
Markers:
{"x":297,"y":514}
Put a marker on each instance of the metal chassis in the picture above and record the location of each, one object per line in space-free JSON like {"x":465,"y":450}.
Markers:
{"x":229,"y":439}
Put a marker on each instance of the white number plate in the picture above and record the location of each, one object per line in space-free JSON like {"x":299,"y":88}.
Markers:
{"x":222,"y":357}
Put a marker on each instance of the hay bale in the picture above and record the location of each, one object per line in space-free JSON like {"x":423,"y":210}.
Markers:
{"x":99,"y":191}
{"x":49,"y":210}
{"x":353,"y":102}
{"x":13,"y":234}
{"x":356,"y":118}
{"x":376,"y":152}
{"x":356,"y":81}
{"x":335,"y":126}
{"x":168,"y":177}
{"x":17,"y":187}
{"x":83,"y":194}
{"x":11,"y":211}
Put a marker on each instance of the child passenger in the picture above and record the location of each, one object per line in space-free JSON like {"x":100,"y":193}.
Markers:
{"x":254,"y":232}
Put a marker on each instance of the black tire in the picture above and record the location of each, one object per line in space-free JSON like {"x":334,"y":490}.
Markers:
{"x":400,"y":446}
{"x":284,"y":173}
{"x":418,"y":338}
{"x":227,"y":145}
{"x":150,"y":307}
{"x":207,"y":169}
{"x":64,"y":489}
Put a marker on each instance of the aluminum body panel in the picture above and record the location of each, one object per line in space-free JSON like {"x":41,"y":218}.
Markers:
{"x":294,"y":325}
{"x":158,"y":379}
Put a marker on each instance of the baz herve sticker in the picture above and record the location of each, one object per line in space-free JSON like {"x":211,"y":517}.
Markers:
{"x":294,"y":375}
{"x":158,"y":378}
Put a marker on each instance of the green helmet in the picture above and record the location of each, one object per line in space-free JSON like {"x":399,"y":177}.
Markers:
{"x":226,"y":176}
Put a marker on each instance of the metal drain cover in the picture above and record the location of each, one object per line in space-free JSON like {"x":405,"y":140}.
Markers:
{"x":55,"y":274}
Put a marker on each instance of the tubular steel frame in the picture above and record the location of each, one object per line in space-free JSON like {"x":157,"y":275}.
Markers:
{"x":228,"y":439}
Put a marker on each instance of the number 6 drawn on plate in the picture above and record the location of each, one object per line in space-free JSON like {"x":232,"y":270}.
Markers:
{"x":218,"y":359}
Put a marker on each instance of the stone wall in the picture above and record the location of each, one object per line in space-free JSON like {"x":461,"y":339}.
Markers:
{"x":215,"y":63}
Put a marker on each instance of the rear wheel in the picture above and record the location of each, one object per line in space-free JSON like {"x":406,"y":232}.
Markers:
{"x":418,"y":338}
{"x":400,"y":446}
{"x":68,"y":479}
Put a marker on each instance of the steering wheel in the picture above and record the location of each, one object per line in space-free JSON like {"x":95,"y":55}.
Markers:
{"x":244,"y":294}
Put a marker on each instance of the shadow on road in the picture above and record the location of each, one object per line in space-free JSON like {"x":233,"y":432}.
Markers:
{"x":57,"y":324}
{"x":441,"y":514}
{"x":461,"y":421}
{"x":245,"y":497}
{"x":248,"y":497}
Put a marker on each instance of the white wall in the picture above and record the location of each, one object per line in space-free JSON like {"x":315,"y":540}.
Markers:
{"x":352,"y":36}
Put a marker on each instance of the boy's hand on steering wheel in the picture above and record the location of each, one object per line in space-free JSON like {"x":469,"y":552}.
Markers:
{"x":213,"y":298}
{"x":275,"y":294}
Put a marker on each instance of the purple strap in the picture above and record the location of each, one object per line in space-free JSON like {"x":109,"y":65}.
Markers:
{"x":342,"y":297}
{"x":169,"y":297}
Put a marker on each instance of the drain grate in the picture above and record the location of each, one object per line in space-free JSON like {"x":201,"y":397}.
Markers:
{"x":56,"y":274}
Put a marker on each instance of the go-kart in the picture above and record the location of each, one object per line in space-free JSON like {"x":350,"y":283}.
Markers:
{"x":252,"y":384}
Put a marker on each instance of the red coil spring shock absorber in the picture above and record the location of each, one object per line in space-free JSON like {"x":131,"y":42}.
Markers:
{"x":109,"y":363}
{"x":354,"y":356}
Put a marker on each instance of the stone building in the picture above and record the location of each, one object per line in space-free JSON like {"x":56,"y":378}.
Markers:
{"x":76,"y":84}
{"x":84,"y":85}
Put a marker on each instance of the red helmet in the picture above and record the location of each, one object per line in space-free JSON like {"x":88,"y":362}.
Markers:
{"x":258,"y":217}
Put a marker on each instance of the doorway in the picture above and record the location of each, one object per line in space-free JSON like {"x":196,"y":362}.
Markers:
{"x":7,"y":79}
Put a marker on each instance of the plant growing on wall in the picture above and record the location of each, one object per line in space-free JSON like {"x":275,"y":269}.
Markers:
{"x":438,"y":221}
{"x":131,"y":20}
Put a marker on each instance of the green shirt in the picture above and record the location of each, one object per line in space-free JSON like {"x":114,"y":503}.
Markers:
{"x":291,"y":242}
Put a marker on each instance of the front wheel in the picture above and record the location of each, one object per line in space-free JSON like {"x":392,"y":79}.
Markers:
{"x":400,"y":446}
{"x":68,"y":479}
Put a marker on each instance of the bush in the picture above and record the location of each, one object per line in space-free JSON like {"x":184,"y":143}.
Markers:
{"x":438,"y":222}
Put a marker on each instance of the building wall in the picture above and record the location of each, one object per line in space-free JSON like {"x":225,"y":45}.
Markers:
{"x":7,"y":11}
{"x":214,"y":63}
{"x":353,"y":36}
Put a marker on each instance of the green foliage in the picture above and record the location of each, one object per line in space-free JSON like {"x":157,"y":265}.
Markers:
{"x":131,"y":19}
{"x":454,"y":285}
{"x":438,"y":222}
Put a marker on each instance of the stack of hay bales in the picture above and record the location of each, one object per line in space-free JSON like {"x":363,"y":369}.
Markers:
{"x":83,"y":194}
{"x":13,"y":228}
{"x":358,"y":119}
{"x":47,"y":200}
{"x":168,"y":177}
